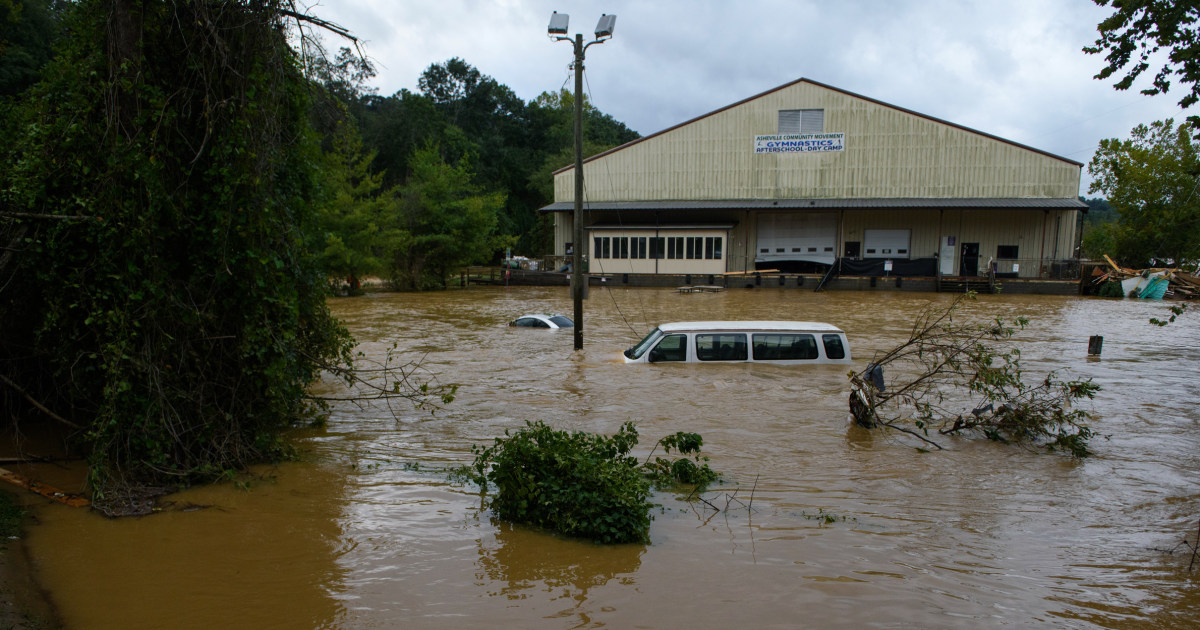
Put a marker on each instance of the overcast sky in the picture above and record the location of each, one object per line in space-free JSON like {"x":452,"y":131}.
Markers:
{"x":1012,"y":68}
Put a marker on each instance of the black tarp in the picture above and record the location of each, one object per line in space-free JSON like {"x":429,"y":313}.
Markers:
{"x":919,"y":267}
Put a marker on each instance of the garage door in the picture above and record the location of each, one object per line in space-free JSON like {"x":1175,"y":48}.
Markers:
{"x":885,"y":243}
{"x":796,"y":236}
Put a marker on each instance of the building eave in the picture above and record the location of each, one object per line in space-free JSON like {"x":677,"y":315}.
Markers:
{"x":930,"y":203}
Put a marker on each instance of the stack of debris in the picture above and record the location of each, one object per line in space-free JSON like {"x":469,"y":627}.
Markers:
{"x":1149,"y":284}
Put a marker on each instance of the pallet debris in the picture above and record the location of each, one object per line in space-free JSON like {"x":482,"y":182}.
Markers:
{"x":1156,"y":283}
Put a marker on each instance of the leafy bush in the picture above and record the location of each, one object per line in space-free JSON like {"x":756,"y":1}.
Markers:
{"x":693,"y":471}
{"x":576,"y":483}
{"x":1112,"y":288}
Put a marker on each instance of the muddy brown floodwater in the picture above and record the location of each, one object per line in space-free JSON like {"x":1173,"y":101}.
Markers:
{"x":367,"y":531}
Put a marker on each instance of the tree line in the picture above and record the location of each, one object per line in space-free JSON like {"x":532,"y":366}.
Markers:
{"x":448,"y":176}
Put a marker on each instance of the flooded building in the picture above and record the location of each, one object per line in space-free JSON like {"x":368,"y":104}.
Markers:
{"x":807,"y":178}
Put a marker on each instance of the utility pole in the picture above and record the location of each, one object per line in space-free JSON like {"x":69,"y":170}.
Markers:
{"x":558,"y":31}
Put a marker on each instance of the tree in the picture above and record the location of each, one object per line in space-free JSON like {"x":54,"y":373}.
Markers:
{"x":956,"y":378}
{"x":449,"y":222}
{"x":1151,"y":180}
{"x":1141,"y":28}
{"x":1097,"y":236}
{"x":359,"y":219}
{"x":163,"y":299}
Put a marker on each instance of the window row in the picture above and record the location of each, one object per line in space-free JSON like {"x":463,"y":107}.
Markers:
{"x":669,"y":247}
{"x":767,"y":347}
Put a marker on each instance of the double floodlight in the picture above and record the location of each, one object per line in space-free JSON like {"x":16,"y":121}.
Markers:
{"x":558,"y":25}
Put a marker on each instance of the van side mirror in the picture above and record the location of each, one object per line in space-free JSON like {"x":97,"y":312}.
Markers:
{"x":656,"y":355}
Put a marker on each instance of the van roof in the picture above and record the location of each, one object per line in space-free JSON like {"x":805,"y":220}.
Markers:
{"x":748,"y":326}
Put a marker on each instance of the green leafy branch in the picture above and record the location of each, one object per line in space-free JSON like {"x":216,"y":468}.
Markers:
{"x":955,"y":378}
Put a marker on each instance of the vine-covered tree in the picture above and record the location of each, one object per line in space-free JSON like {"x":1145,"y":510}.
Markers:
{"x":160,"y":295}
{"x":1151,"y":181}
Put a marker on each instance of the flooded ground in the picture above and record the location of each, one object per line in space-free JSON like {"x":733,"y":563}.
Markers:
{"x":367,"y":532}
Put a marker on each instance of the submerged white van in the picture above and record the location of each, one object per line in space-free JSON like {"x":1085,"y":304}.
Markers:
{"x":783,"y":343}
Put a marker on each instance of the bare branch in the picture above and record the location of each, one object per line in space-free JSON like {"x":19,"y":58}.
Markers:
{"x":316,"y":21}
{"x":35,"y":403}
{"x":54,"y":217}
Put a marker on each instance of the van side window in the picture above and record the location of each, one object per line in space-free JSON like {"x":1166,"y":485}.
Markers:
{"x":833,"y":347}
{"x":671,"y":348}
{"x":721,"y":347}
{"x":784,"y":346}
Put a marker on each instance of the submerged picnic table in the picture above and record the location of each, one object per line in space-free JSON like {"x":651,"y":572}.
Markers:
{"x":701,"y":289}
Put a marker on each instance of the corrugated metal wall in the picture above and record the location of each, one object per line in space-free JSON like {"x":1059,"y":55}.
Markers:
{"x":889,"y":153}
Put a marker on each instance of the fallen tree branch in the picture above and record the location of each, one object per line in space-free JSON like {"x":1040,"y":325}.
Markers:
{"x":54,"y":217}
{"x":955,"y":378}
{"x":35,"y":403}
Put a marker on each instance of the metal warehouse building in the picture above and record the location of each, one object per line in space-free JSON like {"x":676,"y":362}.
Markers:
{"x":807,"y":177}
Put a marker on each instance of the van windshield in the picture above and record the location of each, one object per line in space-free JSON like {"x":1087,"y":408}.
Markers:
{"x":642,"y":346}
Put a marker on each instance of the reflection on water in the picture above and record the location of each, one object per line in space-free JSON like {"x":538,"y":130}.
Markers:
{"x":368,"y":532}
{"x":565,"y":568}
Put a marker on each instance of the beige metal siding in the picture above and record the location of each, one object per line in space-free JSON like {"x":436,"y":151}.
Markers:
{"x":923,"y":223}
{"x":889,"y":153}
{"x":1026,"y":229}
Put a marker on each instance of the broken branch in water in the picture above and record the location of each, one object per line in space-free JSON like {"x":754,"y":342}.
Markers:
{"x":954,"y":378}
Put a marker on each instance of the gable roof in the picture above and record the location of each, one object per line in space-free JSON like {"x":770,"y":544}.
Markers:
{"x":832,"y":88}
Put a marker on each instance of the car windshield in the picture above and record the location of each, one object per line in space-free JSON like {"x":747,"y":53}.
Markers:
{"x":643,"y":345}
{"x":561,"y":321}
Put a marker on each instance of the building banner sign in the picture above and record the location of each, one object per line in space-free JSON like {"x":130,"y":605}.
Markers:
{"x":800,"y":143}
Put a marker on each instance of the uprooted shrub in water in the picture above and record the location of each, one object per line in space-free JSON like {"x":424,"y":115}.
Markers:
{"x":581,"y":484}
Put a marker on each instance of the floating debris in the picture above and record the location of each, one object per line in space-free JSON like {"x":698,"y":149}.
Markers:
{"x":1149,"y":284}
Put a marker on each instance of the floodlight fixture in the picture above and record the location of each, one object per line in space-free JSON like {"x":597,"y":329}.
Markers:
{"x":558,"y":24}
{"x":604,"y":28}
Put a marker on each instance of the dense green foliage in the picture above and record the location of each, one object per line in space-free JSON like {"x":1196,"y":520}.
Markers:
{"x":583,"y":484}
{"x":445,"y":178}
{"x":1097,"y":240}
{"x":448,"y":223}
{"x":509,"y":147}
{"x":28,"y":28}
{"x":1150,"y":180}
{"x":575,"y":483}
{"x":958,"y":377}
{"x":1138,"y":30}
{"x":159,"y":290}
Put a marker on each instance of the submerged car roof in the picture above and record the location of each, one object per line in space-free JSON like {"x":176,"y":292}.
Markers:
{"x":780,"y":326}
